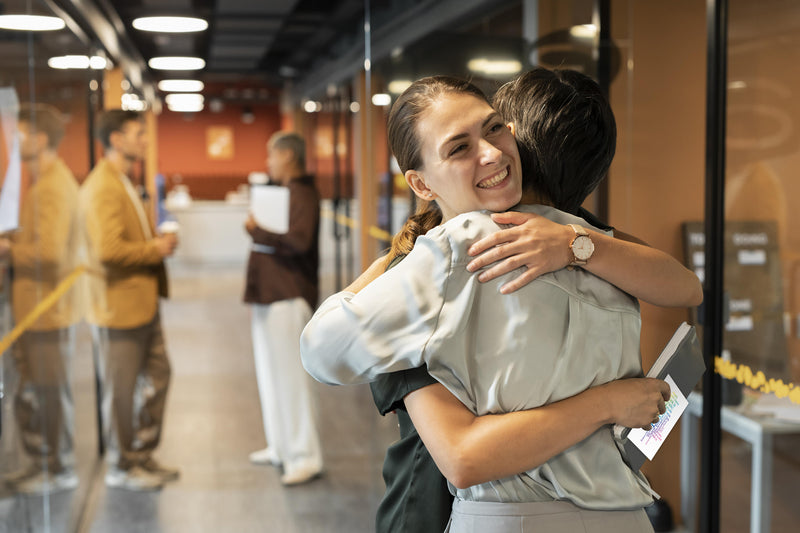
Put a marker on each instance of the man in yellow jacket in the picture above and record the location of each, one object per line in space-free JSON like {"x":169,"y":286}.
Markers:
{"x":43,"y":253}
{"x":126,"y":280}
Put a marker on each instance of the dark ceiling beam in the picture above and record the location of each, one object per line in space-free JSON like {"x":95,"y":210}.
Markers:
{"x":402,"y":30}
{"x":70,"y":21}
{"x":109,"y":30}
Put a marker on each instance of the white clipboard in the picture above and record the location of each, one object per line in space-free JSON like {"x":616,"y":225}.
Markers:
{"x":270,"y":207}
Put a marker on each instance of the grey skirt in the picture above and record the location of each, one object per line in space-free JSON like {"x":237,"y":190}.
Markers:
{"x":542,"y":517}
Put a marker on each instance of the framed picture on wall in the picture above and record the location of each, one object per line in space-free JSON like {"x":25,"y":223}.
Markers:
{"x":219,"y":142}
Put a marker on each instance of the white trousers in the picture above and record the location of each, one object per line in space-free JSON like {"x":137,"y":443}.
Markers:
{"x":287,"y":405}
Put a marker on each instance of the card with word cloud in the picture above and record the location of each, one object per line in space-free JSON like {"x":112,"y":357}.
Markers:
{"x":650,"y":441}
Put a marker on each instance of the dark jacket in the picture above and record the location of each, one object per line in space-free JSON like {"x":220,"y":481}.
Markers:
{"x":286,"y":267}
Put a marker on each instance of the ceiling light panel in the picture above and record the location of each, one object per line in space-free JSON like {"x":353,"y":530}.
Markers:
{"x":176,"y":63}
{"x":185,"y":102}
{"x":31,"y":23}
{"x":170,"y":24}
{"x":181,"y":86}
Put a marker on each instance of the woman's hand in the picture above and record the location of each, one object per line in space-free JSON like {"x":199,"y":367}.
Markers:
{"x":535,"y":242}
{"x":636,"y":402}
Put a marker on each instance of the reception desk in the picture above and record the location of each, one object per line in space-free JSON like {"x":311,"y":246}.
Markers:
{"x":211,"y":232}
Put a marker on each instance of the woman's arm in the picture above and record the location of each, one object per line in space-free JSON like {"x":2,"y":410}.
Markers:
{"x":352,"y":338}
{"x":470,"y":449}
{"x":542,"y":246}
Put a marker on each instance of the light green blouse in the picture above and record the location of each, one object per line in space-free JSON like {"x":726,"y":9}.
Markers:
{"x":559,"y":335}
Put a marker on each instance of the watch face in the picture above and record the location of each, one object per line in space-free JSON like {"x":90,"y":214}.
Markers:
{"x":582,"y":247}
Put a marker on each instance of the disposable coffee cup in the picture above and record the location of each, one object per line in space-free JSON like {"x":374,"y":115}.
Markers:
{"x":168,"y":227}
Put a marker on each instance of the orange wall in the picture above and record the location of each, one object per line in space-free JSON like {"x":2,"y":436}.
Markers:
{"x":182,"y":142}
{"x":183,"y":156}
{"x":74,"y":148}
{"x":658,"y":176}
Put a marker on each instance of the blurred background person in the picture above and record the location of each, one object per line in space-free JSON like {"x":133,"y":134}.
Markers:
{"x":43,"y":253}
{"x":128,"y":277}
{"x":283,"y":287}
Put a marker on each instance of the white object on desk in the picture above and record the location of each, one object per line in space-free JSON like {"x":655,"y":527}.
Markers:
{"x":758,"y":431}
{"x":270,"y":207}
{"x":780,"y":409}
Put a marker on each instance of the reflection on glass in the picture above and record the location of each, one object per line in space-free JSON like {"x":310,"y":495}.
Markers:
{"x":43,"y":252}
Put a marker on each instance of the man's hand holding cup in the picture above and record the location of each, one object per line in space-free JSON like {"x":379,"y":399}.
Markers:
{"x":167,"y":240}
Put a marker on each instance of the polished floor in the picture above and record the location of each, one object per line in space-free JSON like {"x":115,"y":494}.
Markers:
{"x":213,"y":422}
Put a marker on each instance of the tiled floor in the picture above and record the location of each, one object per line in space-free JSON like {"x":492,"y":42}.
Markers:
{"x":213,"y":422}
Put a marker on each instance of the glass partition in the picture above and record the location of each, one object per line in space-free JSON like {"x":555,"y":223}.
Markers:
{"x":47,"y":446}
{"x":761,"y":341}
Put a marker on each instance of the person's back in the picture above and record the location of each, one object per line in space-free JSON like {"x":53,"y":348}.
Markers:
{"x":564,"y":332}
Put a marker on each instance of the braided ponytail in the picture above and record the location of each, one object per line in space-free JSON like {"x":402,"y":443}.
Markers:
{"x":427,"y":217}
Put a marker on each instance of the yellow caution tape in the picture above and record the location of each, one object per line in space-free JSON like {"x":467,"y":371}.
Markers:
{"x":756,"y":380}
{"x":727,"y":369}
{"x":374,"y":231}
{"x":40,"y":308}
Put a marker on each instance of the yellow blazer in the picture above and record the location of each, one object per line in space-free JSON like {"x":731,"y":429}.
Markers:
{"x":44,"y":250}
{"x":127,"y":272}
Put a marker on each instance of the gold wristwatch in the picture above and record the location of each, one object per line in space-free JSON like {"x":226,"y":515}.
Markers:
{"x":582,"y":246}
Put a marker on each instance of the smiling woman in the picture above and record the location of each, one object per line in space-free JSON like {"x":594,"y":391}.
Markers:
{"x":447,"y":139}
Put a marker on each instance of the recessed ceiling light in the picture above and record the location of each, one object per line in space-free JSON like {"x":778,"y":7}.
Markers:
{"x":187,"y":103}
{"x":381,"y":99}
{"x":76,"y":61}
{"x":312,"y":107}
{"x":31,"y":23}
{"x":180,"y":86}
{"x":398,"y":86}
{"x":98,"y":63}
{"x":170,"y":24}
{"x":176,"y":63}
{"x":494,"y":66}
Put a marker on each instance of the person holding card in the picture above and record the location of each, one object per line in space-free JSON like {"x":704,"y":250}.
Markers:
{"x":475,"y":350}
{"x":282,"y":287}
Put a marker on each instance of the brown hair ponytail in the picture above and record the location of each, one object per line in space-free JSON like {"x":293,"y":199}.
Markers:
{"x":427,"y":217}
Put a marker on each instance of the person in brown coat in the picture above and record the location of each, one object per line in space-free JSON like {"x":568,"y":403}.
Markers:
{"x":282,"y":286}
{"x":126,"y":281}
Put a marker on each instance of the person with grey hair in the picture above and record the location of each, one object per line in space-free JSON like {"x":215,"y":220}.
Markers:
{"x":43,"y":253}
{"x":282,"y":288}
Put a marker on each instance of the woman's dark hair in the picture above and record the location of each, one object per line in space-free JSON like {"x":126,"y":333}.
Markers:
{"x":565,"y":131}
{"x":406,"y":145}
